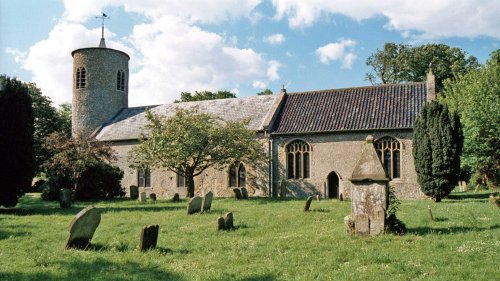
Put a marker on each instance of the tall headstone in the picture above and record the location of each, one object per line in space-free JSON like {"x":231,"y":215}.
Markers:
{"x":134,"y":192}
{"x":149,"y":237}
{"x":308,"y":203}
{"x":207,"y":201}
{"x":82,"y":228}
{"x":65,"y":198}
{"x":244,"y":193}
{"x":228,"y":220}
{"x":194,"y":205}
{"x":220,"y":223}
{"x":142,"y":196}
{"x":237,"y":193}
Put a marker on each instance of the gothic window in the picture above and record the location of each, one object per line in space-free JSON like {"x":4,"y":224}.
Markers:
{"x":298,"y":160}
{"x":120,"y":80}
{"x":144,"y":178}
{"x":81,"y":78}
{"x":389,"y":152}
{"x":181,"y":181}
{"x":237,"y":175}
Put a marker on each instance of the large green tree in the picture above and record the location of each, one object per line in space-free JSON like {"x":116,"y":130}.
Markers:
{"x":16,"y":141}
{"x":476,"y":97}
{"x":205,"y":95}
{"x":190,"y":142}
{"x":437,"y":145}
{"x":397,"y":63}
{"x":265,"y":92}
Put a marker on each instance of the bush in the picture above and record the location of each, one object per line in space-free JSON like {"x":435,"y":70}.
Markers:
{"x":392,"y":223}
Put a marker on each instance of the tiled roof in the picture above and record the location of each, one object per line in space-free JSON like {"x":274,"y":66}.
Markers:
{"x":129,"y":122}
{"x":362,"y":108}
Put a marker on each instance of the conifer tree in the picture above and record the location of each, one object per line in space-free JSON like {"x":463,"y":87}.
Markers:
{"x":437,"y":146}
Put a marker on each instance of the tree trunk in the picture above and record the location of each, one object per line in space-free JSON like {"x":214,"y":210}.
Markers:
{"x":190,"y":185}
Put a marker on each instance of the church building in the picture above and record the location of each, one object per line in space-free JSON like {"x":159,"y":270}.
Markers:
{"x":313,"y":138}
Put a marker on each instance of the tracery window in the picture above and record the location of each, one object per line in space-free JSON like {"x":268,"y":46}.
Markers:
{"x":81,"y":78}
{"x":237,"y":175}
{"x":298,"y":160}
{"x":389,"y":153}
{"x":143,"y":177}
{"x":120,"y":80}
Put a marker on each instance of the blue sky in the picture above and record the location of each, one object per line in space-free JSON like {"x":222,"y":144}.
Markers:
{"x":240,"y":45}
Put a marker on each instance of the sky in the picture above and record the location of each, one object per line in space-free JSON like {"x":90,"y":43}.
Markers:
{"x":243,"y":46}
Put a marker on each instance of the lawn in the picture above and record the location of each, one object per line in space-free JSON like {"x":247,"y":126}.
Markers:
{"x":273,"y":240}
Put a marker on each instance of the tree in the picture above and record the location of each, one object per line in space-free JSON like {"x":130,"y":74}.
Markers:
{"x":398,"y":63}
{"x":16,"y":141}
{"x":82,"y":165}
{"x":437,"y":146}
{"x":265,"y":92}
{"x":476,"y":97}
{"x":191,"y":142}
{"x":205,"y":95}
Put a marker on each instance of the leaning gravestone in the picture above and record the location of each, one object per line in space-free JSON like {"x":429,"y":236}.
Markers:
{"x":134,"y":192}
{"x":377,"y":221}
{"x":308,"y":203}
{"x":220,"y":223}
{"x":244,"y":193}
{"x":142,"y":197}
{"x":82,"y":228}
{"x":176,"y":198}
{"x":228,"y":221}
{"x":65,"y":198}
{"x":237,"y":193}
{"x":207,"y":201}
{"x":149,"y":237}
{"x":361,"y":225}
{"x":194,"y":205}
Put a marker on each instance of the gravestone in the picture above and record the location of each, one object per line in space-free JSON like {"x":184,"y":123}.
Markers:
{"x":377,"y":221}
{"x":134,"y":192}
{"x":308,"y":203}
{"x":194,"y":205}
{"x":176,"y":198}
{"x":65,"y":198}
{"x":283,"y":189}
{"x":207,"y":201}
{"x":82,"y":228}
{"x":237,"y":193}
{"x":317,"y":197}
{"x":152,"y":196}
{"x":362,"y":225}
{"x":142,"y":197}
{"x":349,"y":223}
{"x":221,"y":223}
{"x":228,"y":221}
{"x":149,"y":237}
{"x":244,"y":193}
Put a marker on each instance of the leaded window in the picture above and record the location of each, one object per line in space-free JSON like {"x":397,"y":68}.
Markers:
{"x":298,"y":160}
{"x":144,"y":178}
{"x":181,"y":181}
{"x":120,"y":80}
{"x":237,"y":175}
{"x":389,"y":152}
{"x":81,"y":78}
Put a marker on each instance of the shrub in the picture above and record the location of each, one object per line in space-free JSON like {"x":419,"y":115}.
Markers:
{"x":392,"y":223}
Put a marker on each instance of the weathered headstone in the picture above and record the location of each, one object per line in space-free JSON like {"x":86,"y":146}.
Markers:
{"x":362,"y":225}
{"x":149,"y":237}
{"x":207,"y":201}
{"x":349,"y":223}
{"x":82,"y":228}
{"x":341,"y":197}
{"x":194,"y":205}
{"x":65,"y":198}
{"x":283,"y":189}
{"x":317,"y":197}
{"x":134,"y":192}
{"x":176,"y":198}
{"x":152,"y":196}
{"x":228,"y":220}
{"x":244,"y":193}
{"x":377,"y":221}
{"x":308,"y":203}
{"x":142,"y":197}
{"x":237,"y":193}
{"x":220,"y":223}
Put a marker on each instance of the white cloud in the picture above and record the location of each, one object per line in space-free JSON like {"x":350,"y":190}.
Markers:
{"x":272,"y":70}
{"x":18,"y":55}
{"x":427,"y":19}
{"x":259,"y":84}
{"x":275,"y":39}
{"x":342,"y":51}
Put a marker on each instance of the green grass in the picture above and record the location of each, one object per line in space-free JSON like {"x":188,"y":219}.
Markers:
{"x":273,"y":240}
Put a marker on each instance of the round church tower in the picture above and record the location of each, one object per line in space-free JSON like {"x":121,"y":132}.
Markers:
{"x":100,"y":87}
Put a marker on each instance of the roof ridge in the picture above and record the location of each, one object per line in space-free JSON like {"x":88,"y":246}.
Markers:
{"x":357,"y":88}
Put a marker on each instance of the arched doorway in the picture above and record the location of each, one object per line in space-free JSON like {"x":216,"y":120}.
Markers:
{"x":333,"y":185}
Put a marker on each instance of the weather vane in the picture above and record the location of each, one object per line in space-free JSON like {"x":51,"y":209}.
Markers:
{"x":103,"y":17}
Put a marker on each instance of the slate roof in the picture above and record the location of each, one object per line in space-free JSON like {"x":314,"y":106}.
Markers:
{"x":128,"y":124}
{"x":362,"y":108}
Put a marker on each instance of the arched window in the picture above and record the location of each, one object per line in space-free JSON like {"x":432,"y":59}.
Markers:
{"x":181,"y":181}
{"x":237,"y":175}
{"x":389,"y":152}
{"x":144,"y":177}
{"x":81,"y":78}
{"x":120,"y":80}
{"x":298,"y":160}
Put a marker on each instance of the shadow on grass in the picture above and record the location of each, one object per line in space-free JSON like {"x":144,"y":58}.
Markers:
{"x":97,"y":247}
{"x":320,"y":210}
{"x":265,"y":277}
{"x":448,"y":230}
{"x":9,"y":234}
{"x":468,"y":196}
{"x":100,"y":268}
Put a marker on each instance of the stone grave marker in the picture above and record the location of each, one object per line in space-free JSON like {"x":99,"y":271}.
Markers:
{"x":65,"y":198}
{"x":308,"y":203}
{"x":377,"y":221}
{"x":237,"y":193}
{"x":207,"y":201}
{"x":82,"y":228}
{"x":228,"y":220}
{"x":362,"y":225}
{"x":142,"y":197}
{"x":134,"y":192}
{"x":194,"y":205}
{"x":349,"y":223}
{"x":244,"y":193}
{"x":220,"y":223}
{"x":176,"y":198}
{"x":152,"y":196}
{"x":149,"y":237}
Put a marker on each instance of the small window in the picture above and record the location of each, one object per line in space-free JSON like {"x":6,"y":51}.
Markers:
{"x":237,"y":175}
{"x":298,"y":160}
{"x":120,"y":80}
{"x":181,"y":181}
{"x":389,"y":152}
{"x":144,"y":178}
{"x":81,"y":78}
